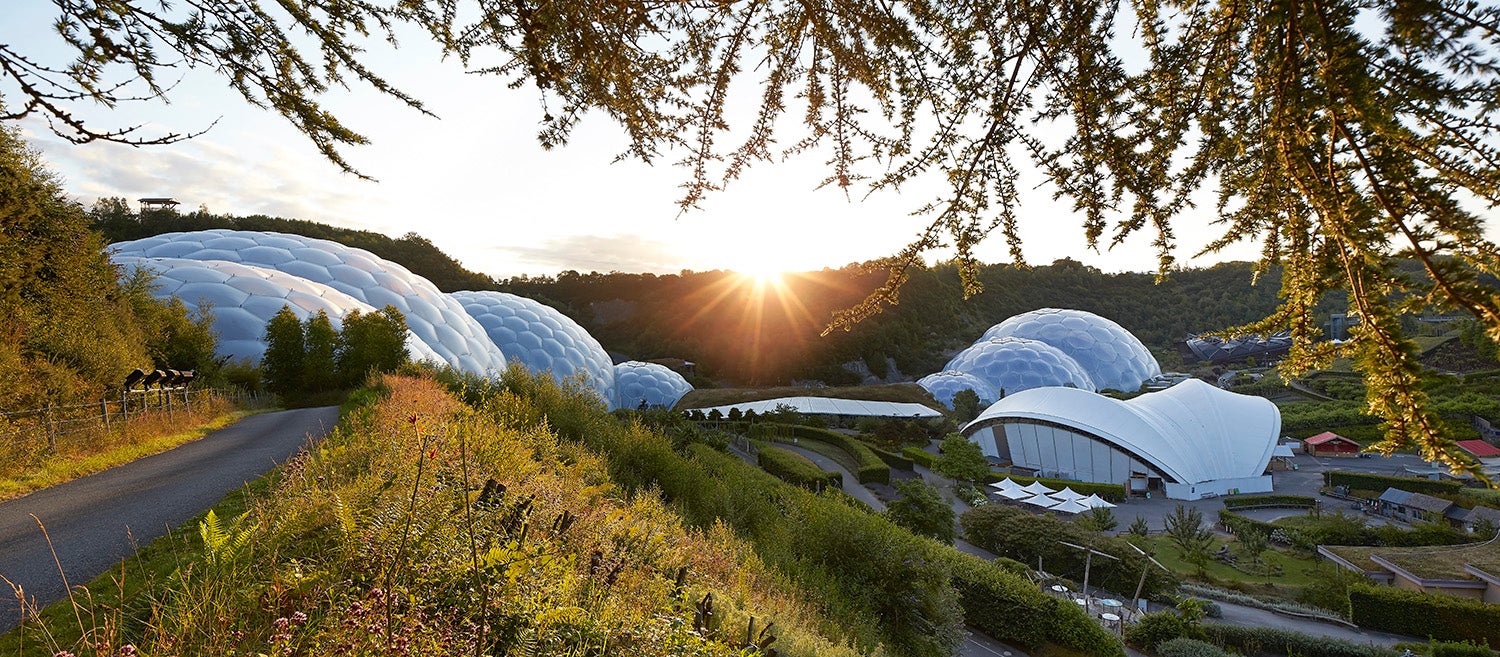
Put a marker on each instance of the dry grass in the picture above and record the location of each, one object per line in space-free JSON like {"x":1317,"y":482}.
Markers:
{"x":29,"y":465}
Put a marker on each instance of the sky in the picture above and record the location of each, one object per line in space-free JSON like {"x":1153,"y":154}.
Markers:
{"x":475,"y":181}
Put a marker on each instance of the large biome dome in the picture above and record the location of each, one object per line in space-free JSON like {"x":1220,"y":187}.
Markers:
{"x":1113,"y":358}
{"x":638,"y":383}
{"x":1011,"y":365}
{"x":944,"y":385}
{"x":244,"y":298}
{"x":439,"y":320}
{"x":541,"y":338}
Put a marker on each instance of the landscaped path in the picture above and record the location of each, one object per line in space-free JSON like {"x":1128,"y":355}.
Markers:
{"x":96,"y":521}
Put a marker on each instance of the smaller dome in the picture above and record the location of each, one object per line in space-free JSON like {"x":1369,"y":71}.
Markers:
{"x":1015,"y":364}
{"x":1112,"y":356}
{"x":944,"y":385}
{"x":638,"y":383}
{"x":541,"y":338}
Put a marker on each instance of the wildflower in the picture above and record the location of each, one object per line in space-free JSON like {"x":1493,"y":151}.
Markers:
{"x":299,"y":617}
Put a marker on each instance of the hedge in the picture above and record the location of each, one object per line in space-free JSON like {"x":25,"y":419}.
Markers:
{"x":893,"y":459}
{"x":868,"y":467}
{"x":920,"y":456}
{"x":1441,"y":617}
{"x":1275,"y":640}
{"x":1290,"y":501}
{"x":794,"y":468}
{"x":1378,"y":483}
{"x":1111,"y":492}
{"x":1236,"y":523}
{"x":1009,"y":608}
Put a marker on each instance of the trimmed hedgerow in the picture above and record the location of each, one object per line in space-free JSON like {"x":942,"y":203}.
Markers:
{"x":868,"y":467}
{"x":1278,"y":641}
{"x":795,"y":468}
{"x":1288,"y":501}
{"x":1185,"y":647}
{"x":920,"y":456}
{"x":1378,"y":483}
{"x":893,"y":459}
{"x":1007,"y":607}
{"x":1441,"y":617}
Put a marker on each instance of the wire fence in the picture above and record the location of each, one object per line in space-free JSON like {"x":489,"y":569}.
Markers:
{"x":51,"y":425}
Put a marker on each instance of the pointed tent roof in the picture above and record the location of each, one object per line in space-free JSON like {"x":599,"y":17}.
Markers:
{"x":1042,"y":501}
{"x":1006,"y":484}
{"x":1016,"y":493}
{"x":1038,"y":488}
{"x":1096,"y":502}
{"x":1070,"y":506}
{"x":1067,"y":493}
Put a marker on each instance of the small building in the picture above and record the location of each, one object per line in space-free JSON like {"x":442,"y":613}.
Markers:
{"x":1478,"y":515}
{"x":1479,"y":449}
{"x":1464,"y":571}
{"x":1329,"y":443}
{"x":1413,"y":507}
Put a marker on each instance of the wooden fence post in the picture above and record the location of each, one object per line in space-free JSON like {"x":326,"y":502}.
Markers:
{"x":125,"y":406}
{"x":51,"y":435}
{"x":104,"y":410}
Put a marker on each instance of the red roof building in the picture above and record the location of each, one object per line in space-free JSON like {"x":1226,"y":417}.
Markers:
{"x":1329,"y":443}
{"x":1479,"y":448}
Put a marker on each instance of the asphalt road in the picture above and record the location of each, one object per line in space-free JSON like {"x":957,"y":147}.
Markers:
{"x":96,"y":521}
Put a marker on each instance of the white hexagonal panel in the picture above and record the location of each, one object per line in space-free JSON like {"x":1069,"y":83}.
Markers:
{"x":541,"y":338}
{"x":1110,"y":354}
{"x":454,"y":335}
{"x":649,"y":383}
{"x":1015,"y":364}
{"x":243,"y":298}
{"x":943,"y":385}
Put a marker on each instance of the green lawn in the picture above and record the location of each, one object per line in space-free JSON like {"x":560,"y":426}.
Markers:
{"x":1297,"y":571}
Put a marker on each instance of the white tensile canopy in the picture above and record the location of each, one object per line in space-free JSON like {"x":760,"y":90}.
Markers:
{"x":1095,"y":502}
{"x":1067,"y":493}
{"x":1038,"y":488}
{"x":1016,"y":493}
{"x":1070,"y":506}
{"x":1042,"y":501}
{"x":1005,"y":485}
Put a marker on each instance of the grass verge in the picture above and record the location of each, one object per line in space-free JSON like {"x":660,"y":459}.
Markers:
{"x":69,"y":466}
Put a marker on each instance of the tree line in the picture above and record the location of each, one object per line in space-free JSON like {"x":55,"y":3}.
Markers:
{"x":312,"y":356}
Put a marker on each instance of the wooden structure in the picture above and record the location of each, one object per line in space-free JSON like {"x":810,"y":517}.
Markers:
{"x":1329,"y":443}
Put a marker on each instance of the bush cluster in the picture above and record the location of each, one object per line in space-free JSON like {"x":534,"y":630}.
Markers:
{"x":1441,"y":617}
{"x":1001,"y":604}
{"x":893,"y":459}
{"x":920,"y":456}
{"x":1185,"y":647}
{"x":1278,"y":641}
{"x":1341,"y":529}
{"x":795,"y":468}
{"x":1018,"y":534}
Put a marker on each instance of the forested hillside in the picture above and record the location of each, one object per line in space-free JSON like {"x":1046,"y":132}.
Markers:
{"x":745,"y":331}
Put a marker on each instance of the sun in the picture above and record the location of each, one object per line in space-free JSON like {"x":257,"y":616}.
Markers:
{"x":761,"y":274}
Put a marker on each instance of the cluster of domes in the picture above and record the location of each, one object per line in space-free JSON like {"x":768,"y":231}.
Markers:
{"x":249,"y":276}
{"x":947,"y":383}
{"x":1049,"y":347}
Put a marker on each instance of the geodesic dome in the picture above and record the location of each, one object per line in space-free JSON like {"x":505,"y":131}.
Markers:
{"x":1015,"y":364}
{"x":943,"y":385}
{"x":1112,"y":356}
{"x":244,"y":298}
{"x":541,"y":338}
{"x":439,"y":320}
{"x":653,"y":384}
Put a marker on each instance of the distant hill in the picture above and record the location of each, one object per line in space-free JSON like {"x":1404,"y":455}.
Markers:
{"x":114,"y":219}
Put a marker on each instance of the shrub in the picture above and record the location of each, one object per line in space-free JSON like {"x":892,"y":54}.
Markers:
{"x":1459,"y":649}
{"x":795,"y":468}
{"x":1157,"y":628}
{"x":1275,"y":640}
{"x":922,"y":510}
{"x":1441,"y":617}
{"x":1017,"y":534}
{"x":893,"y":459}
{"x":1007,"y":607}
{"x":1185,"y":647}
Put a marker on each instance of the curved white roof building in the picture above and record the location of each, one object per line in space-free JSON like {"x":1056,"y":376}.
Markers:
{"x":1189,"y":441}
{"x":244,"y":298}
{"x":1011,"y":365}
{"x":638,"y":383}
{"x":439,"y":320}
{"x":541,"y":338}
{"x":1113,"y":358}
{"x":943,"y":385}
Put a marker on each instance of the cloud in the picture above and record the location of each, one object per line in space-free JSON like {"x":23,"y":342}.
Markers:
{"x":626,"y":253}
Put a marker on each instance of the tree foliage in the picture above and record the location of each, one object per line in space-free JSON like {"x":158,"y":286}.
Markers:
{"x":922,"y":510}
{"x":1338,"y":134}
{"x":961,"y":459}
{"x":313,"y":356}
